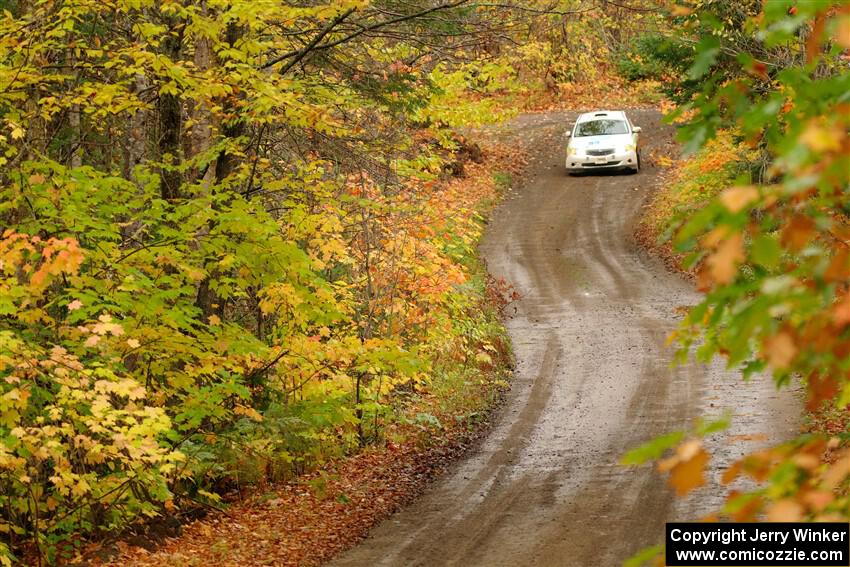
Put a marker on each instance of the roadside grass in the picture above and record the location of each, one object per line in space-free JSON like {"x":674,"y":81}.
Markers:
{"x":503,"y":180}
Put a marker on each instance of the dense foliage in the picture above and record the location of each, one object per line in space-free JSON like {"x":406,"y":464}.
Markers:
{"x":694,"y":183}
{"x":769,"y":246}
{"x":224,"y":255}
{"x":228,"y":247}
{"x":656,"y":57}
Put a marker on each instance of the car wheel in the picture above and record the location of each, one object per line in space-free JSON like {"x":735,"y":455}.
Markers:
{"x":636,"y":168}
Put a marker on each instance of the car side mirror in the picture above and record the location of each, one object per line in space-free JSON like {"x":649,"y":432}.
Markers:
{"x":636,"y":129}
{"x":567,"y":134}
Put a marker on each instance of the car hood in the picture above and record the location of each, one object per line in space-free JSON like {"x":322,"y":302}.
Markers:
{"x":601,"y":142}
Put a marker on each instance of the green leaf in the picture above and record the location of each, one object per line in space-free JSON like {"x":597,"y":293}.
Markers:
{"x":704,"y":428}
{"x":766,"y":251}
{"x":653,"y":449}
{"x":707,"y":52}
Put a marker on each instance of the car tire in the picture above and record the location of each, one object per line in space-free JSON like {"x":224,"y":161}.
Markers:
{"x":636,"y":168}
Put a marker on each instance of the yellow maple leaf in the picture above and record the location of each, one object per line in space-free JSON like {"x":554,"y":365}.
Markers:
{"x":821,"y":139}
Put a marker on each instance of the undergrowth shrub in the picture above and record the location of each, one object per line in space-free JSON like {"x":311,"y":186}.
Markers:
{"x":696,"y":181}
{"x":658,"y":58}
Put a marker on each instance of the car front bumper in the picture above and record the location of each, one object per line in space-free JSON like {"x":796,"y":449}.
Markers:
{"x":611,"y":161}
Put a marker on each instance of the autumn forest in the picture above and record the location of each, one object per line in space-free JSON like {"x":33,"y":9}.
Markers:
{"x":241,"y":264}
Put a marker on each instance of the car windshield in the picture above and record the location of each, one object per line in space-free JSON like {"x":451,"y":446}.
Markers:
{"x":601,"y":128}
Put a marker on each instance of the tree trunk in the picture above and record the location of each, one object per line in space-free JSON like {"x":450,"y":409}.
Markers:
{"x":207,"y":300}
{"x":170,"y":115}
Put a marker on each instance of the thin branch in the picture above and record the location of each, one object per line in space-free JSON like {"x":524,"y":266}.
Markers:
{"x":301,"y":53}
{"x":541,"y":11}
{"x":262,"y":369}
{"x":314,"y":45}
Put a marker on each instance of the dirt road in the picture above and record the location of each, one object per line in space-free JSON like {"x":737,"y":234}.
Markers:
{"x":592,"y":380}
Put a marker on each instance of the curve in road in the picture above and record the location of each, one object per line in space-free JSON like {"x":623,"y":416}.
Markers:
{"x":593,"y":379}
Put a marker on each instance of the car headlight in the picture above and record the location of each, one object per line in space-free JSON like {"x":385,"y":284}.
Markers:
{"x":571,"y":151}
{"x":630,"y":148}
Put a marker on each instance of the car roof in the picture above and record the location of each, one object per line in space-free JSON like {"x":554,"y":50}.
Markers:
{"x":616,"y":114}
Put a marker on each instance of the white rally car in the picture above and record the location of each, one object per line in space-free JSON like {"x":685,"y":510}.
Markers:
{"x":605,"y":139}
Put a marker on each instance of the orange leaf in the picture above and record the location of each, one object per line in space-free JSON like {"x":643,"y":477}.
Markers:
{"x":839,"y":267}
{"x":748,"y":511}
{"x":687,"y":467}
{"x":821,"y":388}
{"x":839,"y":470}
{"x":820,"y":138}
{"x":785,"y":511}
{"x":817,"y":500}
{"x":780,"y":350}
{"x":842,"y":32}
{"x":732,"y":472}
{"x":806,"y":461}
{"x":704,"y":278}
{"x":813,"y":41}
{"x":759,"y":69}
{"x":798,"y":232}
{"x":737,"y":198}
{"x":723,"y":264}
{"x":715,"y":237}
{"x":758,"y":465}
{"x":841,"y":312}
